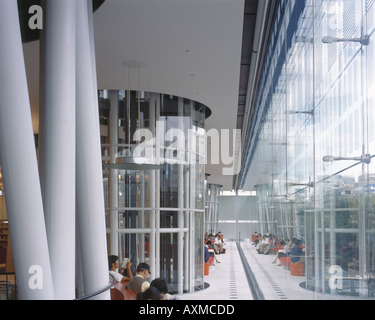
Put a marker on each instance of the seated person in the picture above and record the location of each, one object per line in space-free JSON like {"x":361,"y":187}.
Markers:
{"x":139,"y":283}
{"x":263,"y":246}
{"x":219,"y":243}
{"x":257,"y":240}
{"x":209,"y":246}
{"x":296,"y":253}
{"x":206,"y":253}
{"x":113,"y":265}
{"x":128,"y":269}
{"x":161,"y":285}
{"x":151,"y":293}
{"x":283,"y":253}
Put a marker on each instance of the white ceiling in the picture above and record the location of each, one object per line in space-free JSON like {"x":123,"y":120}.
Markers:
{"x":187,"y":48}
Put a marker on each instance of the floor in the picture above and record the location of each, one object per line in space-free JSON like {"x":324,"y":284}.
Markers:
{"x":227,"y":280}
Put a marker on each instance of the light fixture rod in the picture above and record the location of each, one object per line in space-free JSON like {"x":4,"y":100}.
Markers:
{"x":364,"y":40}
{"x":305,"y":112}
{"x":366,"y":158}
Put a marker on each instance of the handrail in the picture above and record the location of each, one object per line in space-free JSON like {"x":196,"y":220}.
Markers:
{"x":90,"y":295}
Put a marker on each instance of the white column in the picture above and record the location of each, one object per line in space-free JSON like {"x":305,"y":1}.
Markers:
{"x":141,"y":189}
{"x":192,"y":167}
{"x":90,"y":194}
{"x":19,"y":166}
{"x":157,"y":185}
{"x":59,"y":142}
{"x":113,"y":173}
{"x":153,"y":188}
{"x":180,"y":179}
{"x":187,"y":219}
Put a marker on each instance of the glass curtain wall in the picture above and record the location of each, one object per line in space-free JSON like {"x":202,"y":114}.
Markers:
{"x":212,"y":208}
{"x":314,"y":140}
{"x":154,"y":156}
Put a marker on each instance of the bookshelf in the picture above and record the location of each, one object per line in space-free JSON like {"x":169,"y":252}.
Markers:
{"x":4,"y":235}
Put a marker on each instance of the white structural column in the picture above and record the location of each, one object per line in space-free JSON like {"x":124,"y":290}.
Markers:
{"x":159,"y":135}
{"x":180,"y":217}
{"x":19,"y":166}
{"x":113,"y":173}
{"x":58,"y":132}
{"x":152,"y":189}
{"x":192,"y":167}
{"x":90,"y":195}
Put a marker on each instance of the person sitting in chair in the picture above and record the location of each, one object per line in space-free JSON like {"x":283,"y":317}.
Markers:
{"x":296,"y":253}
{"x":139,"y":283}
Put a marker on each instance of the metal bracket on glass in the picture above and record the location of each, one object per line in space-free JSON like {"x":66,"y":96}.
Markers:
{"x":133,"y":163}
{"x":366,"y":158}
{"x":366,"y":277}
{"x":309,"y":184}
{"x":364,"y":40}
{"x":311,"y":112}
{"x":277,"y":143}
{"x":279,"y":195}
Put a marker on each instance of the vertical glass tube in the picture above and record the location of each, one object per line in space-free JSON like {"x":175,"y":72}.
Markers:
{"x":161,"y":192}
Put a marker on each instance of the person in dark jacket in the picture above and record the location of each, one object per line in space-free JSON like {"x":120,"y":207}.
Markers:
{"x":296,"y":253}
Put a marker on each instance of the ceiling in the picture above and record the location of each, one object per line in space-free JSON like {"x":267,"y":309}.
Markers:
{"x":197,"y":49}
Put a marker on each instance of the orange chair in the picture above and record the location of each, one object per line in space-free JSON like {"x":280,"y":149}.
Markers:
{"x":116,"y":294}
{"x":297,"y":269}
{"x":129,"y":294}
{"x":285,"y":261}
{"x":206,"y":268}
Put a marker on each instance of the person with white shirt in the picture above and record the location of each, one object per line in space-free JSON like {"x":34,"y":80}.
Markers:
{"x":263,"y":245}
{"x":219,"y":243}
{"x":113,"y":265}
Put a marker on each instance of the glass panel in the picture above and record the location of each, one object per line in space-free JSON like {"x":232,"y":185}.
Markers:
{"x":312,"y":132}
{"x":134,"y":248}
{"x":198,"y":251}
{"x":130,"y":219}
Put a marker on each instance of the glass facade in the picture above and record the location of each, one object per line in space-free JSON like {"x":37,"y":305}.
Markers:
{"x":313,"y":143}
{"x":154,"y":157}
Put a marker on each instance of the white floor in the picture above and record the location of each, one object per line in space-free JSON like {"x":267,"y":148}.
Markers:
{"x":227,"y":280}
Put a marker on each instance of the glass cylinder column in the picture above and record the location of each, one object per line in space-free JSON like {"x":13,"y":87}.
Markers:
{"x":154,"y":182}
